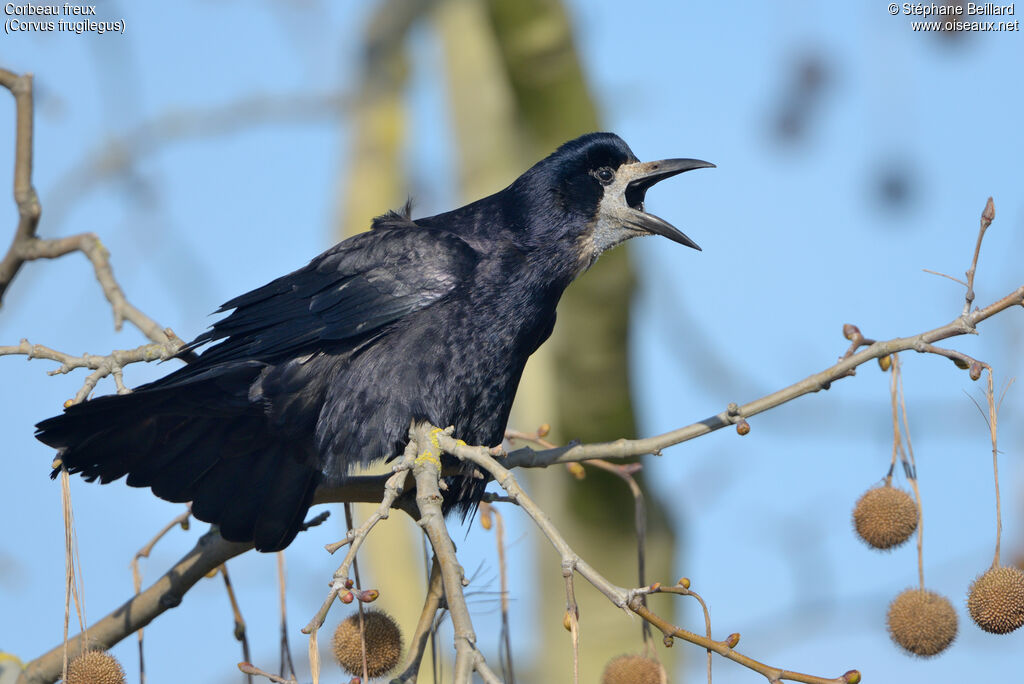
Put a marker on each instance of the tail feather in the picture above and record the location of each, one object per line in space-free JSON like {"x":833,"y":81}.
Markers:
{"x":236,"y":470}
{"x":284,"y":510}
{"x":221,"y":486}
{"x":179,"y":479}
{"x":181,"y":437}
{"x":237,"y":519}
{"x":110,"y":453}
{"x":464,"y":494}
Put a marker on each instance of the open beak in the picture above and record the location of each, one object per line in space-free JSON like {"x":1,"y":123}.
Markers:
{"x":637,"y":178}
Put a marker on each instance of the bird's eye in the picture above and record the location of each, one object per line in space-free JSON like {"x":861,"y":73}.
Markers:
{"x":605,"y":175}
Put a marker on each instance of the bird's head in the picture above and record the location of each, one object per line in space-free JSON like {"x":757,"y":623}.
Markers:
{"x":594,"y":188}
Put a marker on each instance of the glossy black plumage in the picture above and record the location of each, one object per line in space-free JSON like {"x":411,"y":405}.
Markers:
{"x":325,"y":367}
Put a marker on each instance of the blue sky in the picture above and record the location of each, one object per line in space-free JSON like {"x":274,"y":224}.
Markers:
{"x":796,"y":243}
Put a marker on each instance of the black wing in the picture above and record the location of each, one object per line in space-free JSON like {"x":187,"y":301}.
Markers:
{"x":203,"y":433}
{"x":349,"y":292}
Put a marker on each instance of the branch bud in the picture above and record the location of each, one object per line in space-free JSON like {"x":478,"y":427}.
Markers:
{"x":654,"y":587}
{"x":852,"y":677}
{"x":684,"y":582}
{"x":668,"y":641}
{"x":347,"y":597}
{"x":742,"y":427}
{"x":567,"y":622}
{"x":885,"y":362}
{"x":368,"y":595}
{"x":850,"y":331}
{"x":543,"y":430}
{"x":990,"y":211}
{"x":576,"y":470}
{"x":349,"y":584}
{"x":732,"y":640}
{"x":975,"y":371}
{"x":486,"y":521}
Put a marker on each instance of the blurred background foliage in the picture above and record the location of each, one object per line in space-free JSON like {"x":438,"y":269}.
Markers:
{"x":216,"y":145}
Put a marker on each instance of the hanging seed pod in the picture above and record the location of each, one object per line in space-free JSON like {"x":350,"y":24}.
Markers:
{"x":996,"y":600}
{"x":922,"y":622}
{"x":633,"y":669}
{"x":885,"y":517}
{"x":95,"y":667}
{"x":383,"y":643}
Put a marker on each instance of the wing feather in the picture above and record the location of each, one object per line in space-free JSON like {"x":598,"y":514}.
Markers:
{"x":353,"y":290}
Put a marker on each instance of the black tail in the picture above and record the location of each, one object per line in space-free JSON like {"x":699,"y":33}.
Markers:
{"x":464,"y":493}
{"x":188,"y":444}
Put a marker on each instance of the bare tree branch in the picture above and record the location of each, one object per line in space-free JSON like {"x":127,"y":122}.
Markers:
{"x":25,"y":195}
{"x":209,"y":553}
{"x":627,"y":599}
{"x":102,"y":366}
{"x":987,"y":216}
{"x":433,"y":602}
{"x":427,"y":471}
{"x":340,"y":582}
{"x":628,"y":448}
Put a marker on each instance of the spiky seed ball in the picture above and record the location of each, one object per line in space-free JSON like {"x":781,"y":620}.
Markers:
{"x":383,"y":643}
{"x":885,"y":517}
{"x":95,"y":667}
{"x":996,"y":600}
{"x":922,"y":622}
{"x":633,"y":669}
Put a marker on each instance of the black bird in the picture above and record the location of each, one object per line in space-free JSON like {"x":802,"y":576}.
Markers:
{"x":324,"y":368}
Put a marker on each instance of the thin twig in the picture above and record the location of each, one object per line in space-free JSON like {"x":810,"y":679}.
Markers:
{"x":993,"y":423}
{"x":625,"y":473}
{"x":249,"y":669}
{"x":418,"y":642}
{"x":487,"y":514}
{"x":944,"y":275}
{"x":144,"y":552}
{"x":359,"y":588}
{"x":909,"y":465}
{"x":393,"y":486}
{"x":102,"y":366}
{"x":987,"y":215}
{"x":26,"y":246}
{"x":25,"y":196}
{"x":239,"y":631}
{"x":629,"y":448}
{"x":572,"y":618}
{"x":286,"y":650}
